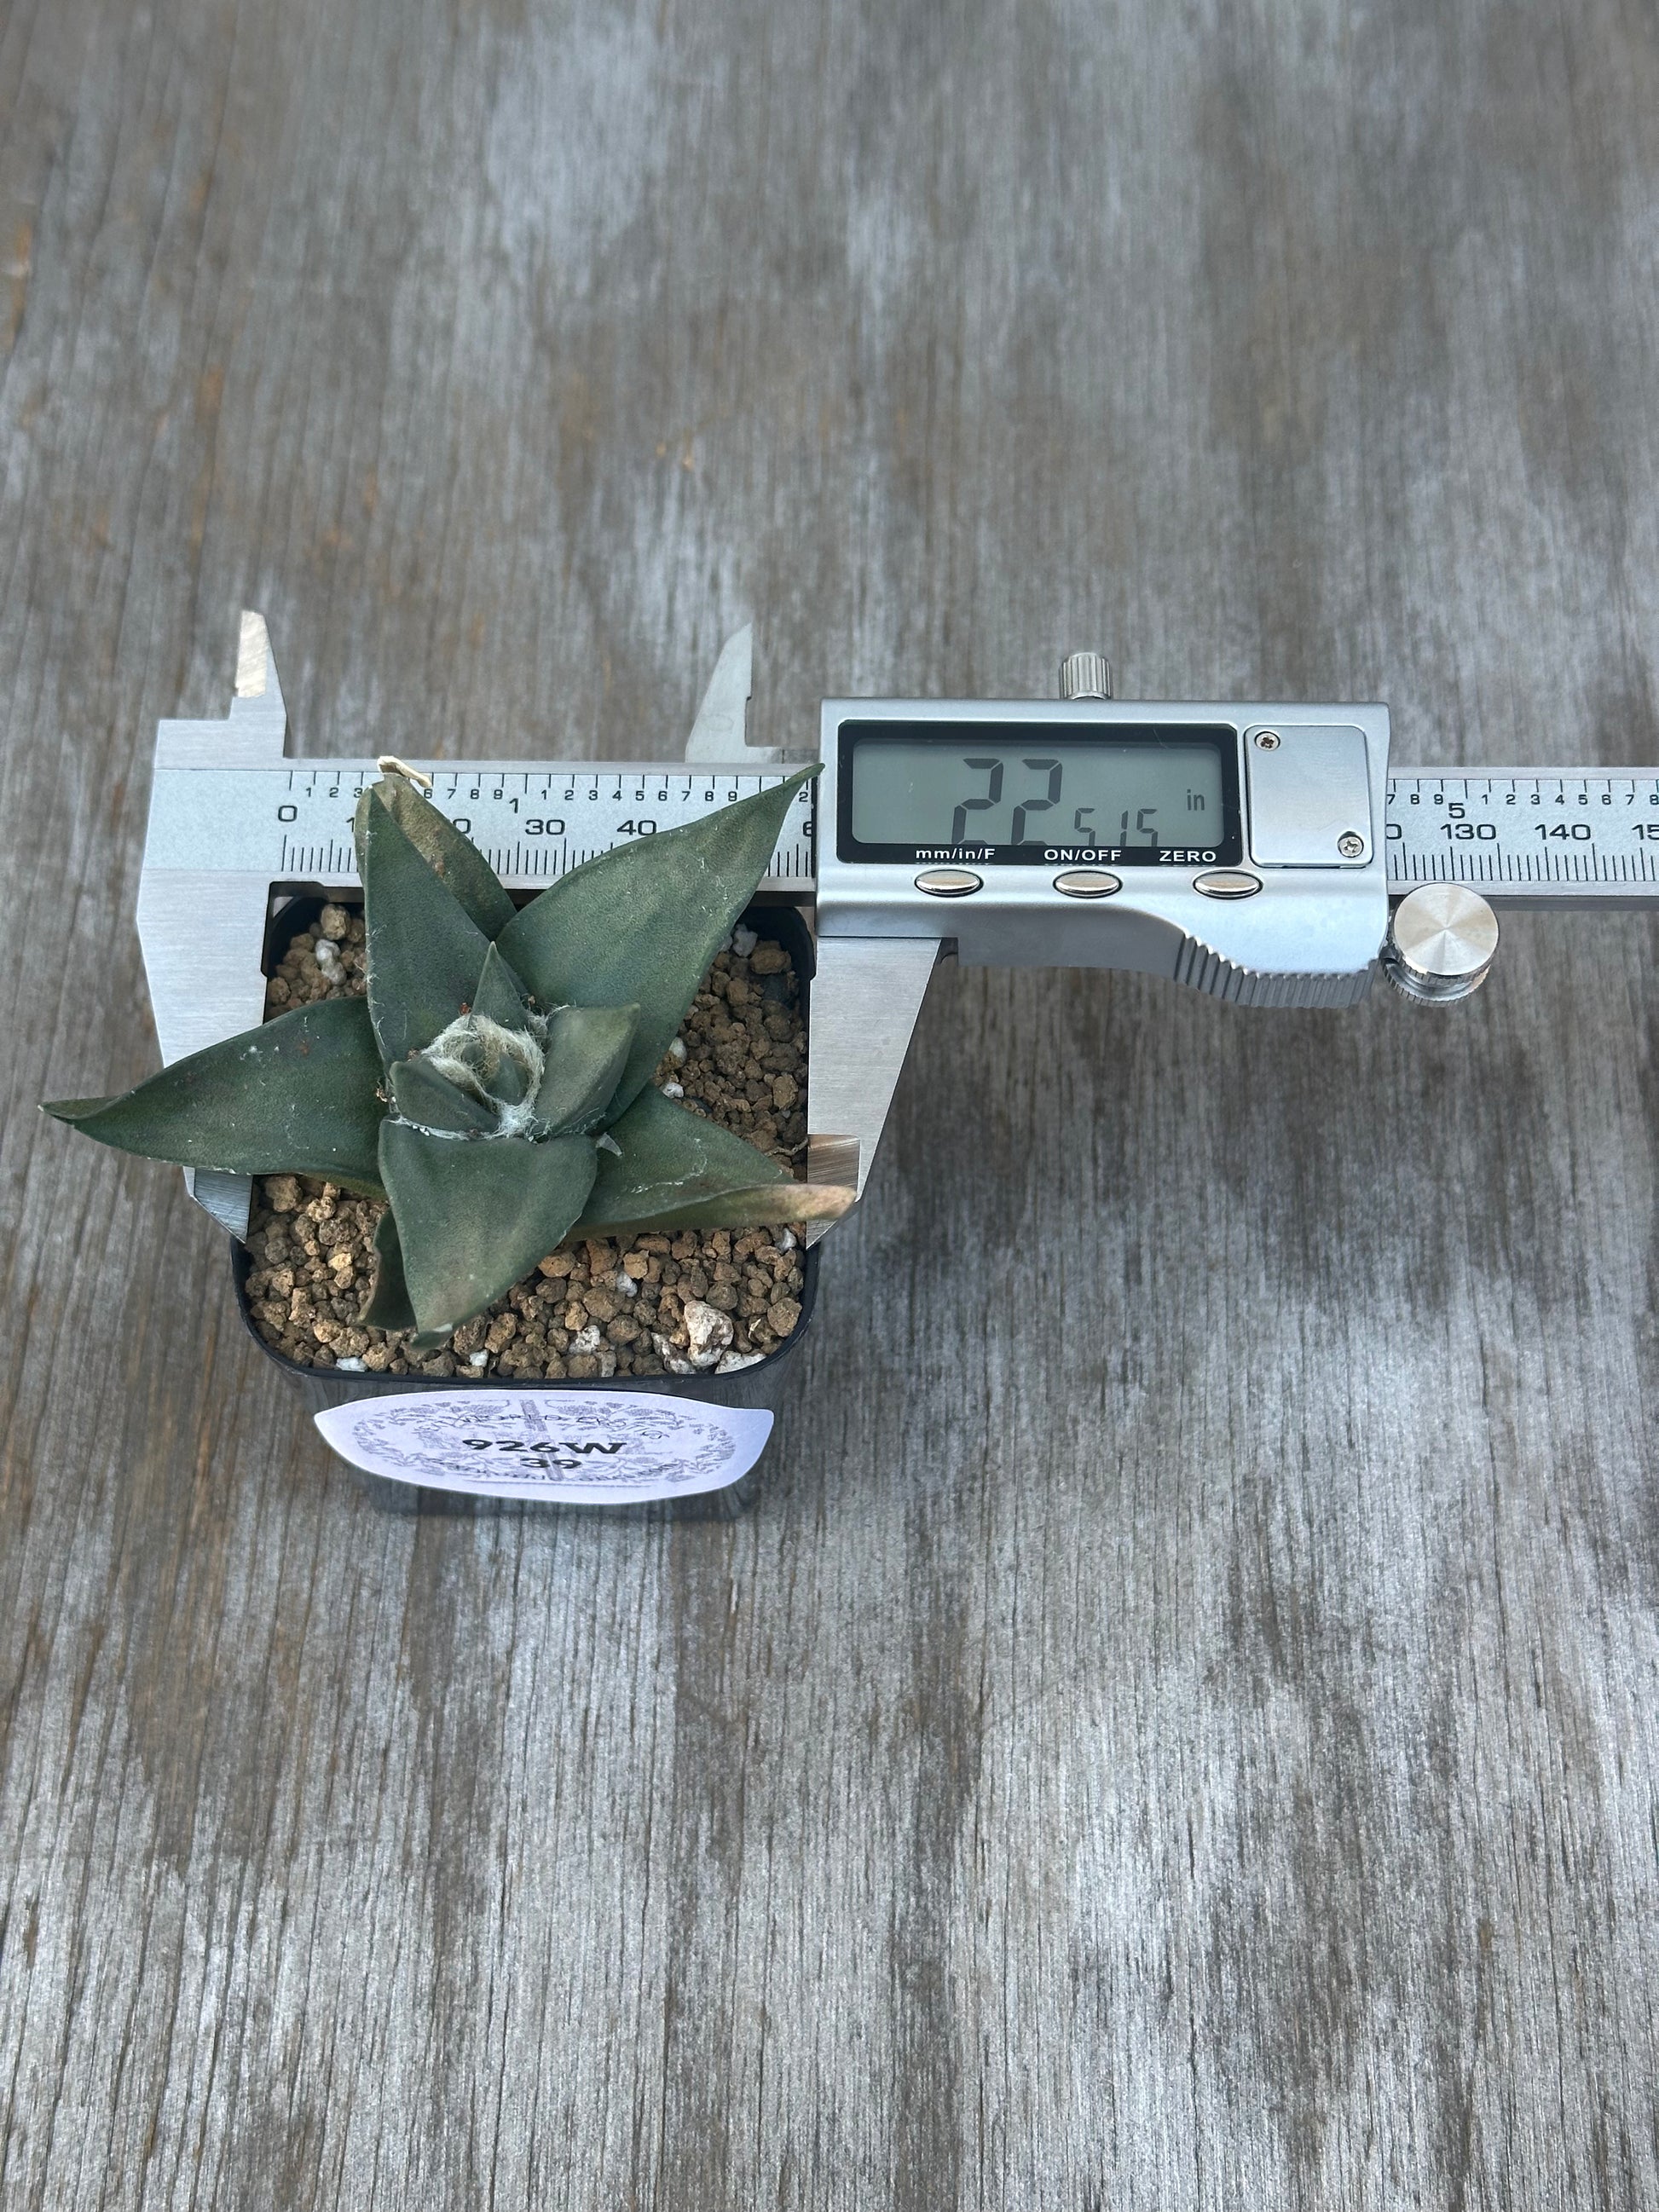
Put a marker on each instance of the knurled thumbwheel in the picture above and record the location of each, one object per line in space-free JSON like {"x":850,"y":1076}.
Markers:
{"x":1442,"y":937}
{"x":1085,"y":676}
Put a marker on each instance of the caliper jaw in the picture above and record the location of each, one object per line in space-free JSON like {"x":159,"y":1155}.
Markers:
{"x":203,"y":931}
{"x":867,"y":999}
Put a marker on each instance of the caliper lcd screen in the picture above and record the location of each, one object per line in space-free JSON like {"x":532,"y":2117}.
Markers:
{"x":1031,"y":793}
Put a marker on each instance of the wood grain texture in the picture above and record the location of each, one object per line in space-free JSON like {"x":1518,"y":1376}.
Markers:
{"x":1180,"y":1731}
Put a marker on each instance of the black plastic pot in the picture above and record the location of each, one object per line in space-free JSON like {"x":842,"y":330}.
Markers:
{"x":759,"y":1386}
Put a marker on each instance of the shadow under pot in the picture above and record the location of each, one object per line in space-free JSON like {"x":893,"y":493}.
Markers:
{"x":645,"y":1447}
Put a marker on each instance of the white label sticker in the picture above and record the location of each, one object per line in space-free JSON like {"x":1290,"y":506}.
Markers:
{"x":583,"y":1447}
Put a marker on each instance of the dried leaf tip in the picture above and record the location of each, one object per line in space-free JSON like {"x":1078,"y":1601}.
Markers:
{"x":389,"y":764}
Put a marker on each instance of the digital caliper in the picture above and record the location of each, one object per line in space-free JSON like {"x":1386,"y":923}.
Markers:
{"x":1258,"y":851}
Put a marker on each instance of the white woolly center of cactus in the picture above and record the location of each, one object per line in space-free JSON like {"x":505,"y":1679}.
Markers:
{"x":474,"y":1054}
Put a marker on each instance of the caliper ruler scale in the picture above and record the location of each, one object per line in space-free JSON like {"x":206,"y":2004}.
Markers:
{"x":1260,"y":851}
{"x":1544,"y":839}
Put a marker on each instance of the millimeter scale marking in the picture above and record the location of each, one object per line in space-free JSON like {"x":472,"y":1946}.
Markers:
{"x":1543,"y":837}
{"x":533,"y":821}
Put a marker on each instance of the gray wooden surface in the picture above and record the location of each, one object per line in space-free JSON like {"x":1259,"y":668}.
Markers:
{"x":1181,"y":1729}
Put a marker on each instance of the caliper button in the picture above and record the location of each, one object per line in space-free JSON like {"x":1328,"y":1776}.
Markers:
{"x":1088,"y":883}
{"x":1227,"y":883}
{"x":949,"y":883}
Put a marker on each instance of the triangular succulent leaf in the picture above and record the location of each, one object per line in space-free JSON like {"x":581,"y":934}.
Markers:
{"x":295,"y":1096}
{"x":449,"y":854}
{"x":431,"y":1101}
{"x":425,"y":952}
{"x":388,"y":1306}
{"x":474,"y":1216}
{"x":675,"y":1171}
{"x":498,"y":995}
{"x":509,"y":1083}
{"x":640,"y":924}
{"x":586,"y":1050}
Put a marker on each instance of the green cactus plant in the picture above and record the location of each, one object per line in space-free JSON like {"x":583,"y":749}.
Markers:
{"x":495,"y":1087}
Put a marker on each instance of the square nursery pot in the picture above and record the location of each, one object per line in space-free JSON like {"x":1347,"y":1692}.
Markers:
{"x":582,"y":1446}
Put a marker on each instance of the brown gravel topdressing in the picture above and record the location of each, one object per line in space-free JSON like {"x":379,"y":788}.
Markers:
{"x":678,"y":1304}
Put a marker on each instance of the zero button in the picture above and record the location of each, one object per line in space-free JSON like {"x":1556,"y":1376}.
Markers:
{"x":1228,"y":883}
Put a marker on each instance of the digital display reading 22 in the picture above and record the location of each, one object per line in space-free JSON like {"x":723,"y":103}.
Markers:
{"x":1026,"y":793}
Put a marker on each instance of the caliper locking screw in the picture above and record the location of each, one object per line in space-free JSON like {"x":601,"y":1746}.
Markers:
{"x":1267,"y":741}
{"x":1085,"y":676}
{"x":1351,"y":845}
{"x":1440,"y":945}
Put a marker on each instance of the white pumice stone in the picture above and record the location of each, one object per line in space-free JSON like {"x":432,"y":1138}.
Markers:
{"x":677,"y":1051}
{"x":784,"y":1240}
{"x":734,"y":1361}
{"x":588,"y":1340}
{"x":743,"y":942}
{"x":348,"y":1367}
{"x":709,"y":1331}
{"x":478,"y":1359}
{"x":625,"y":1283}
{"x":673,"y":1090}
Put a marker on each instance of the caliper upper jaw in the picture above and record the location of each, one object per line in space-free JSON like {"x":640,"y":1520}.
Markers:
{"x":258,"y":714}
{"x":719,"y":735}
{"x":203,"y":930}
{"x":720,"y":731}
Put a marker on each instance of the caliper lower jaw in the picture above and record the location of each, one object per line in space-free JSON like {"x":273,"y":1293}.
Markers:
{"x":202,"y":933}
{"x":866,"y":998}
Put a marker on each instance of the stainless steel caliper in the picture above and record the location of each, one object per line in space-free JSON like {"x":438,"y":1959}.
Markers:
{"x":1260,"y":851}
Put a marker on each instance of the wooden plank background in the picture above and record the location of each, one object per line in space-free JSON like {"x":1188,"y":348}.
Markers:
{"x":1180,"y":1730}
